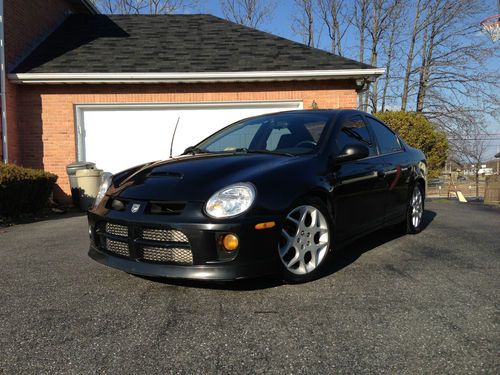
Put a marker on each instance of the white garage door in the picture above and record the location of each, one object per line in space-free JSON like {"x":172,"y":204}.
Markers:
{"x":118,"y":137}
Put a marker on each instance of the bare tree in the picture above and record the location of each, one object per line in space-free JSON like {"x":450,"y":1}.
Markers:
{"x":389,"y":49}
{"x":470,"y":148}
{"x":456,"y":87}
{"x":304,"y":21}
{"x":250,"y":13}
{"x":170,"y":6}
{"x":143,"y":6}
{"x":331,"y":14}
{"x":381,"y":19}
{"x":360,"y":14}
{"x":111,"y":6}
{"x":453,"y":59}
{"x":417,"y":27}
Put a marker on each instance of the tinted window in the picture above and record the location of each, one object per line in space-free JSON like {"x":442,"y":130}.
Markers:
{"x":315,"y":129}
{"x":354,"y":131}
{"x":291,"y":133}
{"x":387,"y":140}
{"x":239,"y":138}
{"x":274,"y":137}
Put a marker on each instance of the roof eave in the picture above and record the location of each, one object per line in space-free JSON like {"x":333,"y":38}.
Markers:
{"x":93,"y":78}
{"x":90,"y":6}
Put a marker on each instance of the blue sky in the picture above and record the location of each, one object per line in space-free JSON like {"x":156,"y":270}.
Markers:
{"x":284,"y":14}
{"x":281,"y":24}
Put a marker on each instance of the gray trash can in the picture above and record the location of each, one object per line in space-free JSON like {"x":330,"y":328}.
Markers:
{"x":88,"y":182}
{"x":71,"y":171}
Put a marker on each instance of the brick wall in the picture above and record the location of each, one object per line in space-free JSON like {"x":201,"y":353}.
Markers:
{"x":26,"y":23}
{"x":46,"y":113}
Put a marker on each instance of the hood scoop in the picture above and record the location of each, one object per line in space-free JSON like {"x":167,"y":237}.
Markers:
{"x":165,"y":174}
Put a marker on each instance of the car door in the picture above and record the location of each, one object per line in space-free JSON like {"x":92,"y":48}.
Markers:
{"x":396,"y":170}
{"x":358,"y":188}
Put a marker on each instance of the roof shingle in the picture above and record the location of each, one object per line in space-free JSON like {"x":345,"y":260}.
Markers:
{"x":171,"y":43}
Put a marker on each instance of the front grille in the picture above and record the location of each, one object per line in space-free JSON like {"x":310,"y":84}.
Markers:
{"x":153,"y":245}
{"x":164,"y":235}
{"x":167,"y":255}
{"x":117,"y":247}
{"x":116,"y":230}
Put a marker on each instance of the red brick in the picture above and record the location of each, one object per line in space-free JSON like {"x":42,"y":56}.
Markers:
{"x":25,"y":23}
{"x":46,"y":112}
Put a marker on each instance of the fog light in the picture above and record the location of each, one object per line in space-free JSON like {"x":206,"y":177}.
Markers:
{"x":230,"y":242}
{"x":117,"y":205}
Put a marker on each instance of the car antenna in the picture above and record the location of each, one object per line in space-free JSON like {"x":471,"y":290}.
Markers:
{"x":173,"y":136}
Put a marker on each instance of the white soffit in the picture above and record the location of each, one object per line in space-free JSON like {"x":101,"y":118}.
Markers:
{"x":58,"y":78}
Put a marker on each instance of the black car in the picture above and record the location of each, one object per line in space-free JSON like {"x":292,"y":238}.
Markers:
{"x":273,"y":193}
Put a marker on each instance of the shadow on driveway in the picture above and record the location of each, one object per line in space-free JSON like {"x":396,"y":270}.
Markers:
{"x":340,"y":259}
{"x":29,"y":219}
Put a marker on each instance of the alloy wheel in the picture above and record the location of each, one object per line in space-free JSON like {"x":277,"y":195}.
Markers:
{"x":417,"y":207}
{"x":305,"y":240}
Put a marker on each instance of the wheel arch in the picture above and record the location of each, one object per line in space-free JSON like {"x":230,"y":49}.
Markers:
{"x":421,"y":181}
{"x":322,"y":195}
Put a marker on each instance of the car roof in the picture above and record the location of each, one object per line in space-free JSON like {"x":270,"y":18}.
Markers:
{"x":328,"y":112}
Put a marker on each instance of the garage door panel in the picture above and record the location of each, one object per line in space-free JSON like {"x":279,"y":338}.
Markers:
{"x":118,"y":138}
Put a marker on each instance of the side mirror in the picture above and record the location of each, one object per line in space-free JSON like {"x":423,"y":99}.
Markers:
{"x":352,"y":152}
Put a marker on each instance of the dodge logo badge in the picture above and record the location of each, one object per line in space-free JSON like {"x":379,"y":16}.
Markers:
{"x":135,"y":208}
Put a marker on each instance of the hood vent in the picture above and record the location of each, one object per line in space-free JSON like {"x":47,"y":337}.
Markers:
{"x":165,"y":208}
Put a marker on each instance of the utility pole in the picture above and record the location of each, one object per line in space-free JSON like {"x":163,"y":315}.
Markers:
{"x":3,"y":77}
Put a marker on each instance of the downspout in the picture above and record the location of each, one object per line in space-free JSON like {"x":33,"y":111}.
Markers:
{"x":362,"y":85}
{"x":3,"y":77}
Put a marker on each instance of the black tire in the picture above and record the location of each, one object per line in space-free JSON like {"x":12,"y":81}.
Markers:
{"x":408,"y":225}
{"x":309,"y":235}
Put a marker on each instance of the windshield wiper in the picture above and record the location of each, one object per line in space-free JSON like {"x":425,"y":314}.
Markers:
{"x":255,"y":151}
{"x":271,"y":152}
{"x":194,"y":150}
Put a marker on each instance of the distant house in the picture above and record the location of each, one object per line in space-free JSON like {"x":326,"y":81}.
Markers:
{"x":486,"y":169}
{"x":110,"y":89}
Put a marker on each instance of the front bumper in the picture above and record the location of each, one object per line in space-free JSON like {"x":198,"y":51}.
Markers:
{"x":220,"y":272}
{"x":256,"y":256}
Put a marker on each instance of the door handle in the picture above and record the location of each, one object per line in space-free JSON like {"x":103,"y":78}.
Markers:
{"x":381,"y":174}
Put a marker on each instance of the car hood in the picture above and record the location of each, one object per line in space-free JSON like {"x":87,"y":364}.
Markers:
{"x":196,"y":177}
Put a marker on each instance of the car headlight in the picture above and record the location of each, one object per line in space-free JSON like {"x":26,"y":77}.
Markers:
{"x":231,"y":201}
{"x":107,"y":179}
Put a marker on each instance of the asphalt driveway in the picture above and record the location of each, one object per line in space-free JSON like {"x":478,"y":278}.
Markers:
{"x":411,"y":304}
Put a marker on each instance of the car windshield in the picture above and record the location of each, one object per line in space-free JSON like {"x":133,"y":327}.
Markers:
{"x":288,"y":133}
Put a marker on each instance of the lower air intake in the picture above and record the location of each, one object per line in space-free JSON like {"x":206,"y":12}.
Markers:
{"x":116,"y":230}
{"x":167,"y":255}
{"x":117,"y":247}
{"x":164,"y":235}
